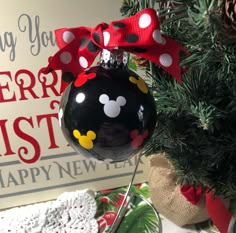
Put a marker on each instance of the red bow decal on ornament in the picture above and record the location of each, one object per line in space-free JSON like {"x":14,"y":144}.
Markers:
{"x":139,"y":34}
{"x":216,"y":209}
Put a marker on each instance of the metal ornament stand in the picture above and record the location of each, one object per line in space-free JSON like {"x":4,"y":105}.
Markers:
{"x":128,"y":197}
{"x":115,"y":59}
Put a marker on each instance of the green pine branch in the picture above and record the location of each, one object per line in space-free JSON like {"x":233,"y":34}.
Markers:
{"x":196,"y":124}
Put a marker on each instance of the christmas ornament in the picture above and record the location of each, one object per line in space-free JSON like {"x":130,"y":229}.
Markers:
{"x":107,"y":112}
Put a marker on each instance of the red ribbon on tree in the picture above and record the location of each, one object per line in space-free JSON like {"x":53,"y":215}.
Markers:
{"x":139,"y":34}
{"x":216,"y":209}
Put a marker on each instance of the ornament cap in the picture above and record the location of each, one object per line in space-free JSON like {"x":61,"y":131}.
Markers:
{"x":114,"y":59}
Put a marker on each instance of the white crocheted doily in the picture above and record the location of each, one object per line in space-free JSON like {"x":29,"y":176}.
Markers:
{"x":72,"y":212}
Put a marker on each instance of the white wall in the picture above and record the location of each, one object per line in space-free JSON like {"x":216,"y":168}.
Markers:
{"x":52,"y":14}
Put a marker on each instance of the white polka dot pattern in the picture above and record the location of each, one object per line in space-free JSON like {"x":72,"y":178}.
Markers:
{"x":166,"y":60}
{"x":68,"y":36}
{"x":83,"y":62}
{"x":144,"y":21}
{"x":65,"y":57}
{"x":156,"y":35}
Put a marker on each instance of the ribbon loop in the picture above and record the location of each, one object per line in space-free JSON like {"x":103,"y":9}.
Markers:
{"x":139,"y":34}
{"x":97,"y":35}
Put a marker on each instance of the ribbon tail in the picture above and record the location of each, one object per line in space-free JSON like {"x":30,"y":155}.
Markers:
{"x":53,"y":66}
{"x":167,"y":57}
{"x":174,"y":70}
{"x":67,"y":59}
{"x":219,"y":214}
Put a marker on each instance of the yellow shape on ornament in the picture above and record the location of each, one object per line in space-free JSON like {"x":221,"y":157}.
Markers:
{"x":140,"y":84}
{"x":86,"y":141}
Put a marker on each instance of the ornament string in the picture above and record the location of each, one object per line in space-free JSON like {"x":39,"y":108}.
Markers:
{"x":139,"y":34}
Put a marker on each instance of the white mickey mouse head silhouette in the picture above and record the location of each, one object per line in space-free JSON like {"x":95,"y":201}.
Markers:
{"x":112,"y":107}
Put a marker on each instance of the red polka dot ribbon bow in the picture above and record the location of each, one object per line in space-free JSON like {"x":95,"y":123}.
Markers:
{"x":139,"y":34}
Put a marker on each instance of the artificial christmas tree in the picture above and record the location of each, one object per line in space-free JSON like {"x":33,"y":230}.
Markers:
{"x":196,"y":122}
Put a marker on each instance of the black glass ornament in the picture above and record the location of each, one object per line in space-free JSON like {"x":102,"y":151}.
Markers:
{"x":107,"y":112}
